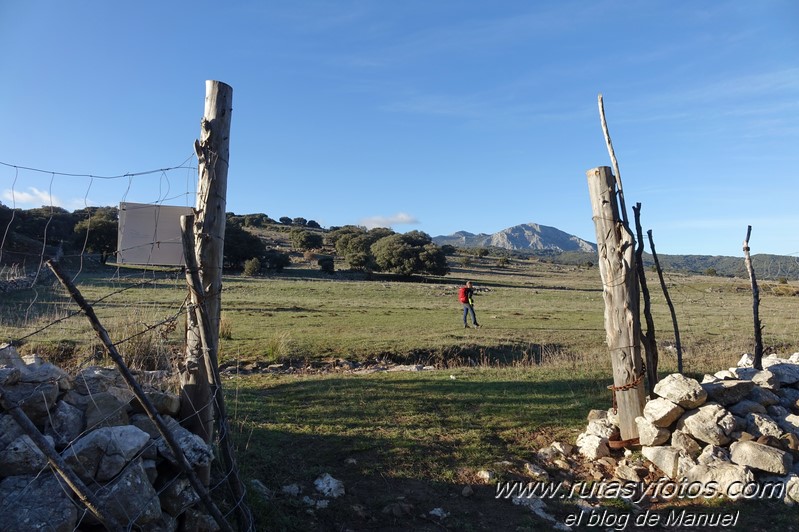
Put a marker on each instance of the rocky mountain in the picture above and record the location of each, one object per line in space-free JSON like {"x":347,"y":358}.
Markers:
{"x":527,"y":237}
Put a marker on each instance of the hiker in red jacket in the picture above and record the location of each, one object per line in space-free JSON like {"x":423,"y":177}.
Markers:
{"x":465,"y":295}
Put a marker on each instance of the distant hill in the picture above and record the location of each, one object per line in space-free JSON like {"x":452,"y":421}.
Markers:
{"x":524,"y":237}
{"x":557,"y":246}
{"x":767,"y":267}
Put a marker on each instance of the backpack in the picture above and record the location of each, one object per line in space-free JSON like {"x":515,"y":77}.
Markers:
{"x":462,"y":296}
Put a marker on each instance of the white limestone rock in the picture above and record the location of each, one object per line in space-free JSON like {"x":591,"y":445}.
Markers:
{"x":683,"y":441}
{"x":762,"y":425}
{"x":667,"y":459}
{"x":761,"y":457}
{"x":727,"y":478}
{"x":745,"y":407}
{"x":650,"y":434}
{"x":727,"y":392}
{"x":592,"y":446}
{"x":763,"y":396}
{"x":662,"y":412}
{"x":681,"y":390}
{"x":763,"y":378}
{"x":602,"y":428}
{"x":787,"y":372}
{"x":710,"y":423}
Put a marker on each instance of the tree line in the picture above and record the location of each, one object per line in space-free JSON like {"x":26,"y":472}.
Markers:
{"x":94,"y":230}
{"x":373,"y":250}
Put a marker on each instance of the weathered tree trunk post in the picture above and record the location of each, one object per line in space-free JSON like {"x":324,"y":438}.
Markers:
{"x":213,"y":150}
{"x":616,"y":251}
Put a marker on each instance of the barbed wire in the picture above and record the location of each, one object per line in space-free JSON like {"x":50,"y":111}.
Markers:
{"x":144,"y":325}
{"x":93,"y":176}
{"x":23,"y":252}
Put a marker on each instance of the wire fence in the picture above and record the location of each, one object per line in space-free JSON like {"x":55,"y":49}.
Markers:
{"x":84,"y":448}
{"x":69,"y":394}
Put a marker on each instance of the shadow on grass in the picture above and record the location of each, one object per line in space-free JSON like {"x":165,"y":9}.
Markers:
{"x":404,"y":444}
{"x":375,"y":498}
{"x":520,"y":354}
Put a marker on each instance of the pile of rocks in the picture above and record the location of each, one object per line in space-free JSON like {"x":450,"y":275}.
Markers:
{"x":234,"y":369}
{"x":99,"y":429}
{"x":734,"y":431}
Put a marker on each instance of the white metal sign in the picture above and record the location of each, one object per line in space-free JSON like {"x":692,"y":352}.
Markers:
{"x":150,"y":234}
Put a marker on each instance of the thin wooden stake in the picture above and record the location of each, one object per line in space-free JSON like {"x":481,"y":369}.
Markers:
{"x":148,"y":406}
{"x":57,"y":463}
{"x":650,"y":345}
{"x":758,"y":363}
{"x":613,"y":160}
{"x":243,"y":514}
{"x":677,"y":342}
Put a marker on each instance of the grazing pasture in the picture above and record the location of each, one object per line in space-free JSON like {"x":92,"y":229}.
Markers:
{"x":407,"y":443}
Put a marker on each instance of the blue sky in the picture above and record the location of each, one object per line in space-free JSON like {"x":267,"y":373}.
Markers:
{"x":437,"y":116}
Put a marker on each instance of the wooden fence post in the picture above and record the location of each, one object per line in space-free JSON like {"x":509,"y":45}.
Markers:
{"x":677,"y":341}
{"x":650,"y":344}
{"x":616,"y":250}
{"x":213,"y":150}
{"x":758,"y":361}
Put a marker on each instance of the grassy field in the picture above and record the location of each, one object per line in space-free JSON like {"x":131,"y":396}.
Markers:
{"x":530,"y":311}
{"x":406,"y":443}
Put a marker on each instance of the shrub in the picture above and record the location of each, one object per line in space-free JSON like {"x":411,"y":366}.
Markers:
{"x":277,"y":346}
{"x":240,"y":245}
{"x":225,"y":328}
{"x":99,"y":232}
{"x":257,"y":220}
{"x":275,"y":260}
{"x":304,"y":239}
{"x":326,"y":264}
{"x":353,"y":244}
{"x":141,"y":348}
{"x":252,"y":267}
{"x":784,"y":290}
{"x":409,"y":253}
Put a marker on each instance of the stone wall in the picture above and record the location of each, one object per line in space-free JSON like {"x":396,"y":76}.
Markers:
{"x":737,"y":428}
{"x":101,"y":431}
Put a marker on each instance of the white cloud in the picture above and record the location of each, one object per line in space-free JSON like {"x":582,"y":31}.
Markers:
{"x":400,"y":218}
{"x":33,"y":197}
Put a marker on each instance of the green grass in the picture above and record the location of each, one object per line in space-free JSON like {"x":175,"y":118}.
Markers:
{"x":468,"y":414}
{"x":418,"y":439}
{"x":528,"y":310}
{"x":528,"y":377}
{"x":415,"y":437}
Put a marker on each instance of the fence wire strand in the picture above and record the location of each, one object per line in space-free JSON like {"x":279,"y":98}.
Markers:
{"x":131,"y":301}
